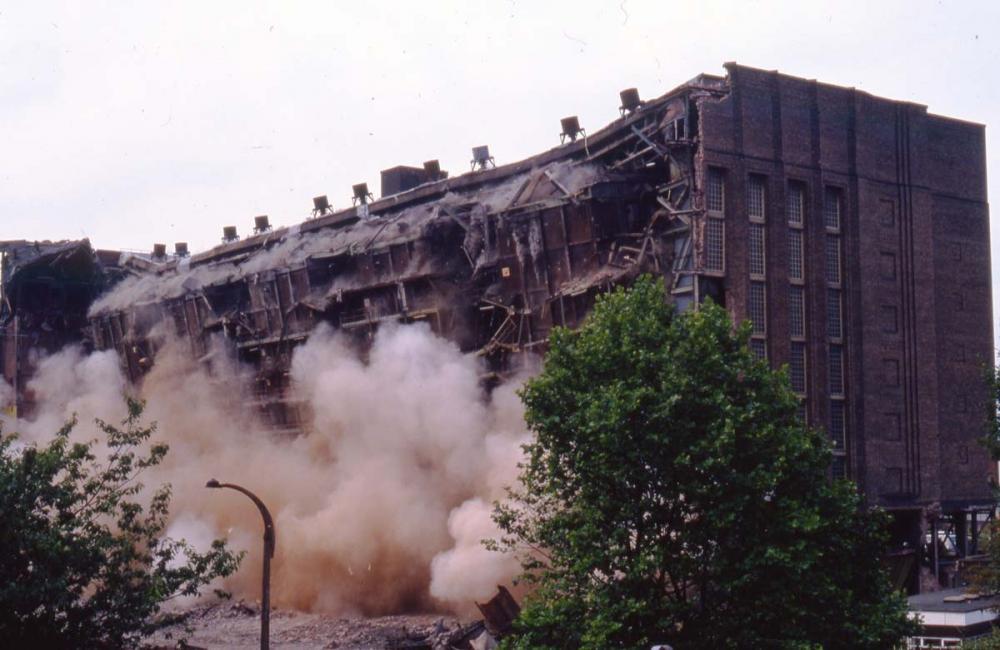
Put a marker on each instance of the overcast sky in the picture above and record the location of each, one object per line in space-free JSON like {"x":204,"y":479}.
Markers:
{"x":135,"y":123}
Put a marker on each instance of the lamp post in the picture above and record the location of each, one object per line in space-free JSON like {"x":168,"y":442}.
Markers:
{"x":265,"y":601}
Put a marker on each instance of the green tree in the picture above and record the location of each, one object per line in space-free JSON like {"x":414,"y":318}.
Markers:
{"x":991,"y":441}
{"x":671,"y":495}
{"x":985,"y":576}
{"x":990,"y":642}
{"x":82,"y":563}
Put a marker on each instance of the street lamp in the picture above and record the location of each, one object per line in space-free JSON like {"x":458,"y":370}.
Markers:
{"x":265,"y":601}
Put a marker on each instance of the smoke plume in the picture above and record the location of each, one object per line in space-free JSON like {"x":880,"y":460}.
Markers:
{"x":380,"y":508}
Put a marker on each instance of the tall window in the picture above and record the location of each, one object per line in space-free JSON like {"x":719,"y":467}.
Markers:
{"x":757,"y":262}
{"x":831,"y":208}
{"x":833,"y":222}
{"x":837,"y":425}
{"x":757,"y":307}
{"x":795,"y":212}
{"x":797,"y":312}
{"x":715,"y":207}
{"x":832,"y":259}
{"x":796,"y":267}
{"x":836,"y":370}
{"x":755,"y":197}
{"x":834,"y":315}
{"x":797,"y":367}
{"x":796,"y":204}
{"x":715,"y":193}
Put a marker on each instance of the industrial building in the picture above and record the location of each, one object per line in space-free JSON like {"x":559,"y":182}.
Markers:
{"x":852,"y":230}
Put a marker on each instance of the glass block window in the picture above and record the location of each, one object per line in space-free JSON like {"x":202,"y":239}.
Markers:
{"x":797,"y":367}
{"x":836,"y":370}
{"x":834,"y":314}
{"x":795,"y":265}
{"x":833,"y":260}
{"x":757,"y":307}
{"x":832,"y":208}
{"x":759,"y":348}
{"x":714,"y":244}
{"x":796,"y":204}
{"x":796,"y":311}
{"x":757,"y":259}
{"x":838,"y":433}
{"x":755,"y":197}
{"x":838,"y":467}
{"x":715,"y":192}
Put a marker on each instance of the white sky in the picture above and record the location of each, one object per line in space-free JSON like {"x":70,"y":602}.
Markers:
{"x":135,"y":123}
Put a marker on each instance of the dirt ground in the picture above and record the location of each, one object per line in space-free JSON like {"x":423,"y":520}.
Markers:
{"x":236,"y":625}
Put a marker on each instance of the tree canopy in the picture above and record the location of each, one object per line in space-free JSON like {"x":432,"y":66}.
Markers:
{"x":84,"y":563}
{"x":672,"y":495}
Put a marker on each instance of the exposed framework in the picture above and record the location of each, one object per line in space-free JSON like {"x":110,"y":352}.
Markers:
{"x":491,"y":259}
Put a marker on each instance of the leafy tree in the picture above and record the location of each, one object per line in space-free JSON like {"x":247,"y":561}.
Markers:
{"x":991,"y":441}
{"x":985,"y":576}
{"x":82,"y":563}
{"x":671,"y":495}
{"x":989,"y":642}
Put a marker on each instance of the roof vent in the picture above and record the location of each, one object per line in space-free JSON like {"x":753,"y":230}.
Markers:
{"x":481,"y":158}
{"x":570,"y":129}
{"x":630,"y":101}
{"x":361,"y":194}
{"x":229,"y":234}
{"x":181,"y":249}
{"x":433,"y":170}
{"x":159,"y":251}
{"x":320,"y":205}
{"x":261,"y":224}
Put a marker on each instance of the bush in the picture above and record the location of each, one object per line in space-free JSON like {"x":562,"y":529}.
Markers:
{"x":85,"y":565}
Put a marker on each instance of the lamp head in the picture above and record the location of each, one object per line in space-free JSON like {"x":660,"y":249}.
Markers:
{"x":213,"y":484}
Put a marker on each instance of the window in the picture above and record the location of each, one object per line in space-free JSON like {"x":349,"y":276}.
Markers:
{"x":796,"y":204}
{"x":715,"y":197}
{"x":796,"y":311}
{"x":834,"y":317}
{"x":757,"y":261}
{"x":795,"y":266}
{"x":755,"y":197}
{"x":838,"y":468}
{"x":797,"y":367}
{"x":836,"y":370}
{"x":714,"y":244}
{"x":758,"y":310}
{"x":833,"y":260}
{"x":832,"y":208}
{"x":838,"y":433}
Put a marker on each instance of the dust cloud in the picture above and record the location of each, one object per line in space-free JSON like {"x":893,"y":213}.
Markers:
{"x":379,"y":509}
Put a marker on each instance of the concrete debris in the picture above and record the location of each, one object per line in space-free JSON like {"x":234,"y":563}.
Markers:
{"x":237,"y":625}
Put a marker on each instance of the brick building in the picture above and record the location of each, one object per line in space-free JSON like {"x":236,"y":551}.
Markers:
{"x":851,"y":230}
{"x":858,"y":243}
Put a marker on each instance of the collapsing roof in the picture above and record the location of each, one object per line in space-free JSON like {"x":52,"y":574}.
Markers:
{"x":491,"y":259}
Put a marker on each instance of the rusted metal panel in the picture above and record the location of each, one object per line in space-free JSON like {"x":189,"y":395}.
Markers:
{"x":499,"y":612}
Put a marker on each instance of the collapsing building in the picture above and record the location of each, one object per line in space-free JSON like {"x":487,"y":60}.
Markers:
{"x":851,"y":230}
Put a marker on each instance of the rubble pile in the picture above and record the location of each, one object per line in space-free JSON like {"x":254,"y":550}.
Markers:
{"x":236,"y":625}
